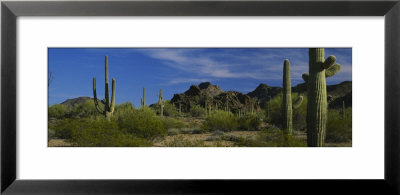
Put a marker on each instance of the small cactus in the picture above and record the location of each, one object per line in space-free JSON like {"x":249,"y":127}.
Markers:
{"x":317,"y":106}
{"x":287,"y":107}
{"x":109,"y":106}
{"x":161,"y":103}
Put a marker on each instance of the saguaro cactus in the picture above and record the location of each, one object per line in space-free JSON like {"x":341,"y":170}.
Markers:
{"x":108,"y":108}
{"x":317,"y":106}
{"x":287,"y":107}
{"x":143,"y":100}
{"x":161,"y":103}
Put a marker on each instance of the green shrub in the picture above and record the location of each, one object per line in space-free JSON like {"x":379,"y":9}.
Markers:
{"x":339,"y":129}
{"x":271,"y":137}
{"x":250,"y":122}
{"x":82,"y":110}
{"x":104,"y":133}
{"x":173,"y":131}
{"x":143,"y":123}
{"x":170,"y":109}
{"x":172,"y":123}
{"x":221,"y":120}
{"x":198,"y":111}
{"x":57,"y":111}
{"x":124,"y":109}
{"x":63,"y":128}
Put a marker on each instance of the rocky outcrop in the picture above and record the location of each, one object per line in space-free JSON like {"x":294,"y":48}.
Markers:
{"x":208,"y":94}
{"x":263,"y":93}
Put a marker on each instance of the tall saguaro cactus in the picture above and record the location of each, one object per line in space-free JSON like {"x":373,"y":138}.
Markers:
{"x":109,"y":106}
{"x":143,"y":100}
{"x":161,"y":103}
{"x":317,"y":106}
{"x":287,"y":106}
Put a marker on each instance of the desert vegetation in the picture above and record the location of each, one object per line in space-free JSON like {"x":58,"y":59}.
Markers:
{"x":206,"y":116}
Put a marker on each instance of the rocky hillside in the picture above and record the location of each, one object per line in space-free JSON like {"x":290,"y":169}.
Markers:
{"x":78,"y":100}
{"x":336,"y":93}
{"x":208,"y":94}
{"x":263,"y":93}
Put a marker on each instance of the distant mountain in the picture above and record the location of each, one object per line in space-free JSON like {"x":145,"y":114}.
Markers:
{"x":215,"y":96}
{"x":264,"y":93}
{"x":336,"y":93}
{"x":78,"y":100}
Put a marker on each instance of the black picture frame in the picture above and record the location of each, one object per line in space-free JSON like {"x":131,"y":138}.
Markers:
{"x":11,"y":10}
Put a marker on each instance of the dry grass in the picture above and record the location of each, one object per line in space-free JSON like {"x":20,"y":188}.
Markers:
{"x":203,"y":137}
{"x":58,"y":143}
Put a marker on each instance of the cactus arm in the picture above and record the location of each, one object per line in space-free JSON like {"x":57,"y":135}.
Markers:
{"x":112,"y":106}
{"x":96,"y":103}
{"x":298,"y":101}
{"x":305,"y":77}
{"x":330,"y":61}
{"x":333,"y":70}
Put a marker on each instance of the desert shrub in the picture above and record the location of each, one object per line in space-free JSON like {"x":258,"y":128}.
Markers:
{"x":271,"y":137}
{"x":249,"y":122}
{"x":221,"y":120}
{"x":173,"y":131}
{"x":298,"y":114}
{"x":170,"y":109}
{"x":185,"y":130}
{"x":143,"y":123}
{"x":82,"y":110}
{"x":198,"y":111}
{"x":103,"y":133}
{"x":57,"y":111}
{"x":63,"y":128}
{"x":339,"y":128}
{"x":172,"y":123}
{"x":180,"y":141}
{"x":124,"y":109}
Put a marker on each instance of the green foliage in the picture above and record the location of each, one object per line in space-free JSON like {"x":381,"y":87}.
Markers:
{"x":250,"y":122}
{"x":198,"y":111}
{"x":84,"y":110}
{"x":57,"y":111}
{"x":124,"y":109}
{"x":64,"y":127}
{"x":221,"y":120}
{"x":339,"y":129}
{"x":103,"y":133}
{"x":168,"y":110}
{"x":143,"y":123}
{"x":172,"y":123}
{"x":299,"y":114}
{"x":271,"y":137}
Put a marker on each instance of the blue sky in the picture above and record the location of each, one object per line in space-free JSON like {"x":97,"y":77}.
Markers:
{"x":175,"y":69}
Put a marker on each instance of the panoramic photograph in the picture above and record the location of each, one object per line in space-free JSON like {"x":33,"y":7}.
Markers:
{"x":200,"y":97}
